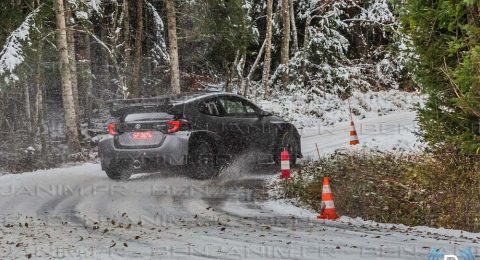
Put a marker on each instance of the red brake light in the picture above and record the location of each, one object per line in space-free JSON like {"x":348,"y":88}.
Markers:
{"x":173,"y":126}
{"x":111,"y":129}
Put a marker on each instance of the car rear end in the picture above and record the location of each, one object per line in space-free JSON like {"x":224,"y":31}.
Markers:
{"x":146,"y":137}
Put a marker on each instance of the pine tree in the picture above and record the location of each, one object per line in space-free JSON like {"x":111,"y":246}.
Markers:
{"x":446,"y":37}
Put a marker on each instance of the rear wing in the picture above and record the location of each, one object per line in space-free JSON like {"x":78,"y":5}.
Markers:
{"x":119,"y":107}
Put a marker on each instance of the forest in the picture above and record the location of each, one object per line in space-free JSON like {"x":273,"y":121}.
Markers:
{"x":62,"y":60}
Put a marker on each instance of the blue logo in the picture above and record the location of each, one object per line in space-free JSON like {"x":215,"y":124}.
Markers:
{"x":438,"y":254}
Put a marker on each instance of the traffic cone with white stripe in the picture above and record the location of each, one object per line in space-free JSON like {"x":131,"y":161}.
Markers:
{"x":328,"y":208}
{"x":353,"y":134}
{"x":285,"y":164}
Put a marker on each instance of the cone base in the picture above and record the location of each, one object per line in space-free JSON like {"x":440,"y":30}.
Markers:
{"x":328,"y":216}
{"x":354,"y":142}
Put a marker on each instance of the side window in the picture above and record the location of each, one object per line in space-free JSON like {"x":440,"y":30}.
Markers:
{"x":233,"y":107}
{"x":250,"y":109}
{"x":236,"y":107}
{"x":208,"y":108}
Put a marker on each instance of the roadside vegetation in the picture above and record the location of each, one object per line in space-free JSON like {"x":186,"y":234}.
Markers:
{"x":441,"y":189}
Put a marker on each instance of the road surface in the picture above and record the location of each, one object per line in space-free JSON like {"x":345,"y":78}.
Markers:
{"x":76,"y":212}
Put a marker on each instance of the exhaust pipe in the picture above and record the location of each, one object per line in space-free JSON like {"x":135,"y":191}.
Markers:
{"x":137,"y":164}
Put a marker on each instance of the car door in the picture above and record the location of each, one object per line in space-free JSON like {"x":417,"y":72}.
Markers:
{"x":209,"y":115}
{"x":243,"y":128}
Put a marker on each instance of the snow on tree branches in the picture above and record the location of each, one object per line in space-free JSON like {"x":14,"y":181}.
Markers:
{"x":159,"y":50}
{"x":12,"y":53}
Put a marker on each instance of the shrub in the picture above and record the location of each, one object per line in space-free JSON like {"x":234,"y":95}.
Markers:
{"x":440,"y":190}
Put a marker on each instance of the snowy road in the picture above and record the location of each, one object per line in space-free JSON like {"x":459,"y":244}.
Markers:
{"x":387,"y":133}
{"x":77,"y":212}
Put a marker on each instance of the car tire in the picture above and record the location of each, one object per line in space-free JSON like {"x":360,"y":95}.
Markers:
{"x":202,"y":164}
{"x":120,"y":171}
{"x":286,"y":141}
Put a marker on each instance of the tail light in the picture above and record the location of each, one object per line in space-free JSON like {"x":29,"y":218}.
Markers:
{"x":111,"y":129}
{"x":175,"y":125}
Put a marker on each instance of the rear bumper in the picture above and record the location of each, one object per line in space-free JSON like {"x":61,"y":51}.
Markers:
{"x":172,"y":152}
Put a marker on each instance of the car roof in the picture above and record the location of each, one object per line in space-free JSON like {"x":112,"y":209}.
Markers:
{"x":122,"y":106}
{"x":187,"y":97}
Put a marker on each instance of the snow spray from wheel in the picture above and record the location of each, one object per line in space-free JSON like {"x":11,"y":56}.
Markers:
{"x":243,"y":165}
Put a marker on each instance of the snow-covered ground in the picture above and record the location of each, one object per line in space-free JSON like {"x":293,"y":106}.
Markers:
{"x":395,"y":132}
{"x":77,"y":212}
{"x":327,"y":110}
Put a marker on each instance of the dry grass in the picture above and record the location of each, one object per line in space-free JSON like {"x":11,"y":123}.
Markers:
{"x":441,"y":190}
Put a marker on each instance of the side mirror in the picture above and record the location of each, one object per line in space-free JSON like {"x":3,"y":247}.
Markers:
{"x":264,"y":113}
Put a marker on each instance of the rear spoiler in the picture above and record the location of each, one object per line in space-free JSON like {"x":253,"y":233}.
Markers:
{"x":119,"y":106}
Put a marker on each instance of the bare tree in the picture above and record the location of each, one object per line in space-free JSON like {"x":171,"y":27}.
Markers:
{"x":172,"y":39}
{"x":67,"y":95}
{"x":135,"y":86}
{"x":268,"y":49}
{"x":285,"y":48}
{"x":246,"y":81}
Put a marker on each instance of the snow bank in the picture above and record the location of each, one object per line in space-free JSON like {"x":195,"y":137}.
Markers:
{"x":313,"y":110}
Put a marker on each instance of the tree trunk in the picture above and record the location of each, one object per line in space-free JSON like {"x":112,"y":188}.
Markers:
{"x":71,"y":55}
{"x":84,"y":54}
{"x":68,"y":103}
{"x":28,"y":112}
{"x":294,"y":27}
{"x":126,"y":38}
{"x":39,"y":112}
{"x":239,"y":67}
{"x":306,"y":37}
{"x":173,"y":48}
{"x":306,"y":40}
{"x":268,"y":49}
{"x":86,"y":67}
{"x":285,"y":48}
{"x":39,"y":107}
{"x":228,"y":78}
{"x":246,"y":81}
{"x":135,"y":87}
{"x":230,"y":73}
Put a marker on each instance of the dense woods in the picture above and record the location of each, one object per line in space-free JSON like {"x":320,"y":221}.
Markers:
{"x":61,"y":60}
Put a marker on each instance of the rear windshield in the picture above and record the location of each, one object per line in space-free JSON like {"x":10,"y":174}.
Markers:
{"x":146,"y":117}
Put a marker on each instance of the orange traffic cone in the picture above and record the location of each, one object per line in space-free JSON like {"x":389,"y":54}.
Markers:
{"x":328,"y":208}
{"x":353,"y":134}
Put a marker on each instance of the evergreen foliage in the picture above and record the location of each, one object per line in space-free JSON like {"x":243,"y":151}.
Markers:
{"x":446,"y":35}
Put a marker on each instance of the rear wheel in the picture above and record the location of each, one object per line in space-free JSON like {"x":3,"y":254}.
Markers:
{"x":120,"y":171}
{"x":202,"y":163}
{"x":288,"y":142}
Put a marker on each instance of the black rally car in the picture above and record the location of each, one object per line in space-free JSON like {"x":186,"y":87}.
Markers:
{"x":200,"y":132}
